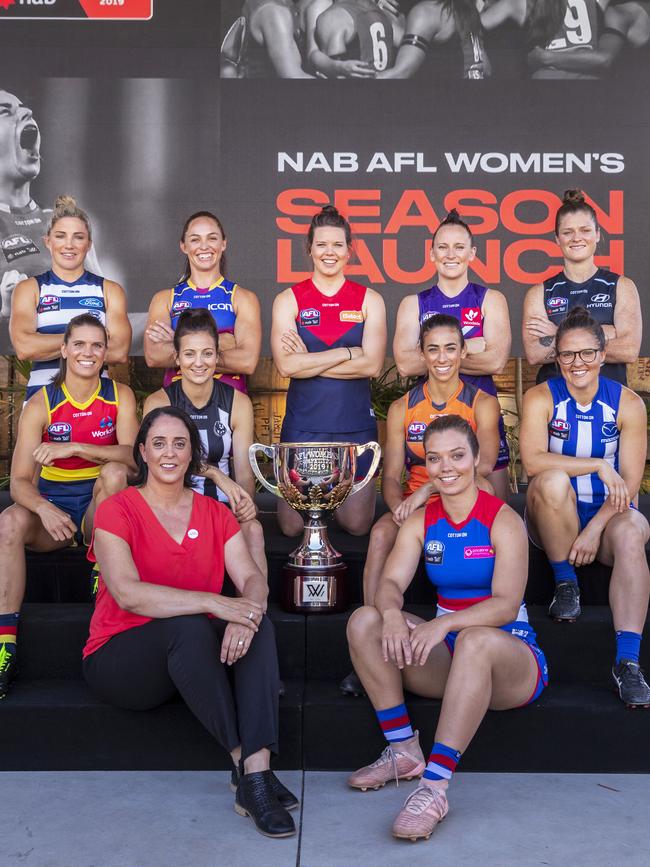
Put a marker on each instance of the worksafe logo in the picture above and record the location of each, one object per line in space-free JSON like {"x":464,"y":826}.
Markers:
{"x":82,"y":10}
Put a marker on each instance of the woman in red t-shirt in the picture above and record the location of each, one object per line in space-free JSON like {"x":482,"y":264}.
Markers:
{"x":161,"y":624}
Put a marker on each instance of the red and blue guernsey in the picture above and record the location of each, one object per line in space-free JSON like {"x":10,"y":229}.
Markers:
{"x":319,"y":404}
{"x":93,"y":421}
{"x":218,"y":300}
{"x":459,"y":560}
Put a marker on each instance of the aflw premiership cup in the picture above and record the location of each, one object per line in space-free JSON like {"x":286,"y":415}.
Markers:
{"x":314,"y":479}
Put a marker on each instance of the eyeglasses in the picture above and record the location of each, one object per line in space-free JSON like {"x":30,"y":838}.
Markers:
{"x":586,"y":355}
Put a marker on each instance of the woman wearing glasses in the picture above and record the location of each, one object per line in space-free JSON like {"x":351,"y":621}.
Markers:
{"x":583,"y":442}
{"x":612,"y":299}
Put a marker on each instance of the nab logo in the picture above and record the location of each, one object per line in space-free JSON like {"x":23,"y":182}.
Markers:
{"x":310,"y":316}
{"x":91,"y":302}
{"x":416,"y":431}
{"x":556,"y":303}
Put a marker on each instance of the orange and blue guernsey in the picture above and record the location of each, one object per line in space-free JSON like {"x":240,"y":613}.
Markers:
{"x":93,"y":421}
{"x":459,"y":561}
{"x":420,"y":412}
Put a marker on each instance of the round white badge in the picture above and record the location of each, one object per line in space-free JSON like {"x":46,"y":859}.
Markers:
{"x":192,"y":534}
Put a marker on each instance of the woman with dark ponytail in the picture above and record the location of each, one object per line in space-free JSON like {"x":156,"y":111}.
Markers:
{"x":328,"y":335}
{"x":203,"y":283}
{"x":583,"y":444}
{"x":612,"y":299}
{"x":483,"y":316}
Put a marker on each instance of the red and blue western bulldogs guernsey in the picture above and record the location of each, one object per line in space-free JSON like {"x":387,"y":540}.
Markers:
{"x":319,"y":404}
{"x":218,"y":300}
{"x":91,"y":422}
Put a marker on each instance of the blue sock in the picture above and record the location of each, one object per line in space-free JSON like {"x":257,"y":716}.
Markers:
{"x":9,"y":628}
{"x":442,"y":762}
{"x":395,"y":723}
{"x":563,"y":571}
{"x":628,"y":645}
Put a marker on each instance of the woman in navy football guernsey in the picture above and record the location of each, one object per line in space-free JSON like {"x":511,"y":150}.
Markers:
{"x":583,"y":443}
{"x":235,"y":310}
{"x":43,"y":305}
{"x":329,"y":336}
{"x":477,"y":653}
{"x":612,"y":300}
{"x":224,"y":419}
{"x":483,"y":315}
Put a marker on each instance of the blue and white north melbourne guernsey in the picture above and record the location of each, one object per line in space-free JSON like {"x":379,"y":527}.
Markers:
{"x":586,"y":432}
{"x":58,"y":303}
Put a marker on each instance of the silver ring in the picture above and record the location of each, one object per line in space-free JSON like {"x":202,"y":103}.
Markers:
{"x":251,"y":616}
{"x":240,"y":642}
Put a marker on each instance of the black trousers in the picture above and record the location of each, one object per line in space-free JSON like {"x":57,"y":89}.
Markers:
{"x":144,"y":667}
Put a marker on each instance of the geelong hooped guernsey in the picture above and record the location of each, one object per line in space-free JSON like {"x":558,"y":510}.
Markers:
{"x":467,"y":308}
{"x":69,"y":421}
{"x":319,"y":404}
{"x":586,"y":432}
{"x":58,"y":303}
{"x":459,"y":559}
{"x":215,"y":428}
{"x":21,"y":239}
{"x":420,"y":412}
{"x":218,"y":300}
{"x":597,"y":295}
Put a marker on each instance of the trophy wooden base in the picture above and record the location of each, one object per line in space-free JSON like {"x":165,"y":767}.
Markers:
{"x":315,"y":589}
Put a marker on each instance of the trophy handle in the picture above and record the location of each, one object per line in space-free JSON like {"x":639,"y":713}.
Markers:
{"x":269,"y":451}
{"x":373,"y":466}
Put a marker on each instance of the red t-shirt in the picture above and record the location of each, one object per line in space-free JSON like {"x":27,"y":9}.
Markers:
{"x":197,"y":563}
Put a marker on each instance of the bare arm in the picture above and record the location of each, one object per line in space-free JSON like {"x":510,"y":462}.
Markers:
{"x":624,"y":344}
{"x":289,"y":352}
{"x":491,"y":353}
{"x":487,"y":413}
{"x":401,"y":565}
{"x":495,"y":14}
{"x":243,"y":423}
{"x":406,"y":343}
{"x":118,"y":326}
{"x":537,"y":330}
{"x":245,"y":354}
{"x":393,"y":466}
{"x":158,"y":333}
{"x":26,"y":341}
{"x":334,"y":30}
{"x":581,"y":59}
{"x":276,"y":27}
{"x":373,"y":346}
{"x":156,"y":399}
{"x":425,"y":20}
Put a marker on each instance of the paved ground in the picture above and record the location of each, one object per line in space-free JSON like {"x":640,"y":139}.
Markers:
{"x":166,"y":819}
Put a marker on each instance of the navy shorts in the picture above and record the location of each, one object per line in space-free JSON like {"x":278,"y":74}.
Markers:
{"x":295,"y":435}
{"x":73,"y":498}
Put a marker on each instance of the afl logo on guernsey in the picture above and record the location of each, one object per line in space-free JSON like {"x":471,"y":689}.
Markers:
{"x":559,"y":428}
{"x":91,"y":302}
{"x":309,"y":316}
{"x":49,"y":302}
{"x":416,"y":431}
{"x":18,"y":245}
{"x":179,"y":306}
{"x":557,"y":305}
{"x":434,"y":552}
{"x":59,"y":432}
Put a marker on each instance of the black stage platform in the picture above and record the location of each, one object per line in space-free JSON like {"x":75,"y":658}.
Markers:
{"x":50,"y":721}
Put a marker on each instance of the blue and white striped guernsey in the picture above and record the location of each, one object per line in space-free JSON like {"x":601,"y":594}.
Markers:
{"x":586,"y":432}
{"x":58,"y":303}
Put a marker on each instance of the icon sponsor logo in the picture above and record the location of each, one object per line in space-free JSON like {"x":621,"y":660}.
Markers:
{"x":557,"y":304}
{"x":478,"y":552}
{"x":91,"y":302}
{"x":59,"y":432}
{"x":416,"y":431}
{"x":610,"y":430}
{"x":351,"y":316}
{"x":434,"y":551}
{"x":559,"y":428}
{"x":309,"y":317}
{"x":470,"y":317}
{"x":221,"y":305}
